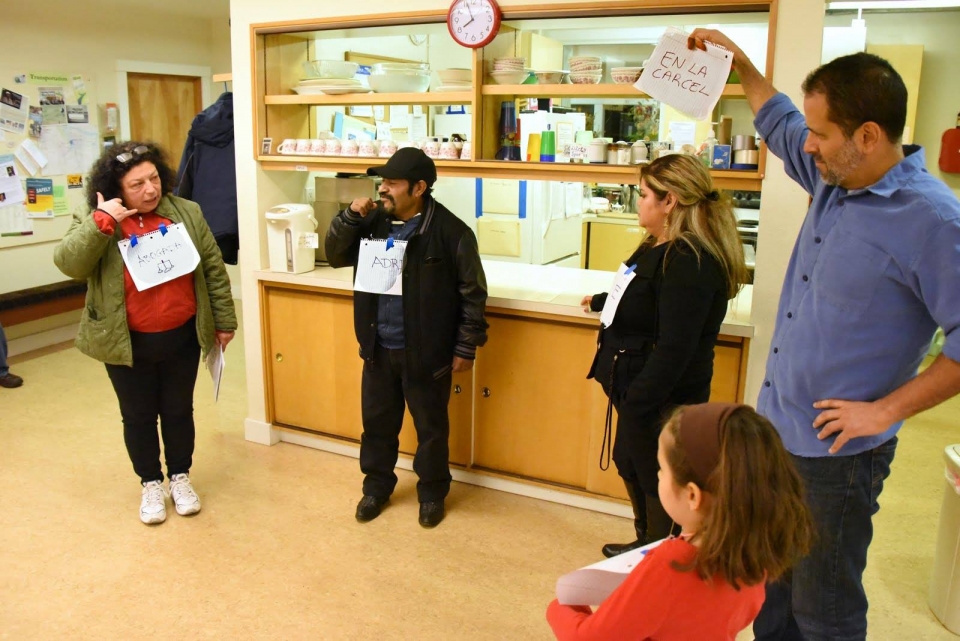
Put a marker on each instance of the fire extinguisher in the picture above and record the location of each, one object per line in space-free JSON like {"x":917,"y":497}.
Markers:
{"x":950,"y":150}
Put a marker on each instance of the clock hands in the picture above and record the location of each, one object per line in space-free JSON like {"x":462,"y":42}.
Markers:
{"x":467,"y":5}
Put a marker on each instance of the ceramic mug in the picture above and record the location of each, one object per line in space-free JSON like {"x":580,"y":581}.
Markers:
{"x":388,"y":148}
{"x":303,"y":145}
{"x":431,"y":147}
{"x":316,"y":147}
{"x":350,"y":148}
{"x":288,"y":146}
{"x":467,"y":151}
{"x":368,"y":148}
{"x":448,"y":151}
{"x":403,"y":144}
{"x":331,"y":147}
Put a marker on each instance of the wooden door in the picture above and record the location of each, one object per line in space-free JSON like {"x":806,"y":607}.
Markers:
{"x":534,"y":407}
{"x":162,"y":108}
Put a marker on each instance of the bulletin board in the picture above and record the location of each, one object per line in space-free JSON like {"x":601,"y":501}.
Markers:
{"x":49,"y":139}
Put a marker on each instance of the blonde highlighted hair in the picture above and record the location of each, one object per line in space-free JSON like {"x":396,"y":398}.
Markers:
{"x":703,"y":216}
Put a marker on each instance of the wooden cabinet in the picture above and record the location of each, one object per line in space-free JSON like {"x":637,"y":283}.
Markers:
{"x":526,"y":409}
{"x":608,"y":244}
{"x":280,"y":49}
{"x":314,"y":370}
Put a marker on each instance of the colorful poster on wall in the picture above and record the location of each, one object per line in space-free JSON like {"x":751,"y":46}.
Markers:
{"x":74,"y":181}
{"x":54,"y":115}
{"x":77,"y":114}
{"x":14,"y":109}
{"x":51,"y":95}
{"x":60,"y":205}
{"x":39,"y":198}
{"x":36,"y":121}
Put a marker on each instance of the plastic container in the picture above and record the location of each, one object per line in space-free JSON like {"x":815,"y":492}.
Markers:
{"x":945,"y":581}
{"x":548,"y":145}
{"x":287,"y":227}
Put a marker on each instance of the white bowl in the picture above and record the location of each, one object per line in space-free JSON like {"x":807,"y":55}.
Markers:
{"x":509,"y":77}
{"x":330,"y":69}
{"x":400,"y":82}
{"x":455,"y":76}
{"x":625,"y":75}
{"x":550,"y":77}
{"x":585,"y":77}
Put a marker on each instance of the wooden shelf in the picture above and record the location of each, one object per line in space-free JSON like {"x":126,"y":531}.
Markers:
{"x":443,"y":98}
{"x":623,"y":174}
{"x":583,"y":91}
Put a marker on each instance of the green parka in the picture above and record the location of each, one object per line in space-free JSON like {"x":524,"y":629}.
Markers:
{"x":87,"y":253}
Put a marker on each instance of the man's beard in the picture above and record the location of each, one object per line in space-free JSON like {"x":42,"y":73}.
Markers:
{"x":846,"y":162}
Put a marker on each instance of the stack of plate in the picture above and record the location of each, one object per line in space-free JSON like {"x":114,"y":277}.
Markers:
{"x":329,"y":86}
{"x":454,"y":80}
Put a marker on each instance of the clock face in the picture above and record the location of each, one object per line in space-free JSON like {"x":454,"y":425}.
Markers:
{"x":473,"y":23}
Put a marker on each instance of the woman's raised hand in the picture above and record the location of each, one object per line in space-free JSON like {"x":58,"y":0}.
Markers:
{"x":114,"y":208}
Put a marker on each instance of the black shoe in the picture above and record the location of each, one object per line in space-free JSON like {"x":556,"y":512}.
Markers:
{"x":613,"y":549}
{"x":431,"y":513}
{"x":369,"y":507}
{"x":10,"y":380}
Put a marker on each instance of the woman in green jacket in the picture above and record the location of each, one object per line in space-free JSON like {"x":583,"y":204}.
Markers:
{"x":149,"y":329}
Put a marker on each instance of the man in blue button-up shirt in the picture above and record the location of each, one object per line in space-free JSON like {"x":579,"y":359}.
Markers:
{"x":874,"y":272}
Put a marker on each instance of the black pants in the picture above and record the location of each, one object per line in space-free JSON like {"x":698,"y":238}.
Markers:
{"x":386,"y":387}
{"x":160,"y":384}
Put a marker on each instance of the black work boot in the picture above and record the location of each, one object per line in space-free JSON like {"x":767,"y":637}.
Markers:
{"x":639,"y":524}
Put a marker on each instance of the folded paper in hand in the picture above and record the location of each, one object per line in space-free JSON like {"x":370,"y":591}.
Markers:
{"x":689,"y":80}
{"x":593,"y":584}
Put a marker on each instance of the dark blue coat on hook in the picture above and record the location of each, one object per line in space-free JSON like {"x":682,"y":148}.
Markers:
{"x":208,"y":174}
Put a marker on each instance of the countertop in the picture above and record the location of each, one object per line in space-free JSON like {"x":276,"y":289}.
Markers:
{"x":545,"y":289}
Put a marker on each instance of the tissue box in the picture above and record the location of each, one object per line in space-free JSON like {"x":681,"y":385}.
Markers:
{"x":721,"y":157}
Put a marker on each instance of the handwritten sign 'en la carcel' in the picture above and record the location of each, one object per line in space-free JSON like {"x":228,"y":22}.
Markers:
{"x":379,"y":266}
{"x":689,"y":80}
{"x":158,"y":258}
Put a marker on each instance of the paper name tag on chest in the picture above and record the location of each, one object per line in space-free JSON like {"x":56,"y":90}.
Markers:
{"x":159,"y":258}
{"x":380,"y":266}
{"x":621,"y":280}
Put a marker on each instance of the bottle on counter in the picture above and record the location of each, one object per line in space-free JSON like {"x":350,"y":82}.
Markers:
{"x":638,"y":152}
{"x":706,"y":149}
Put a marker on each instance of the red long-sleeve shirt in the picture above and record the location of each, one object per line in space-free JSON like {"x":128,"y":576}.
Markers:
{"x":160,"y":308}
{"x":658,"y":602}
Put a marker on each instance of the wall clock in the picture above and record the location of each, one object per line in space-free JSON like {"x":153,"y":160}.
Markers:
{"x":473,"y":23}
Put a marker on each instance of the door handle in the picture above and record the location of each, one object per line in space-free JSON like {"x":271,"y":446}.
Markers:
{"x":457,"y":389}
{"x":485,"y":392}
{"x":279,"y":357}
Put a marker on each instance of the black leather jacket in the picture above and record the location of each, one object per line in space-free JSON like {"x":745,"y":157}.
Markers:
{"x":444,"y":287}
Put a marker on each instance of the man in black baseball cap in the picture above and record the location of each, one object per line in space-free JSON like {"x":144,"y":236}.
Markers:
{"x":411,"y":343}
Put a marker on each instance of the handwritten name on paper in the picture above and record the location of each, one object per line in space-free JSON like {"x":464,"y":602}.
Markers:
{"x":159,"y":258}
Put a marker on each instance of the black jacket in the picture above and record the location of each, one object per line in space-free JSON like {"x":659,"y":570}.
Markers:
{"x":666,"y":325}
{"x":207,"y":173}
{"x":444,"y":287}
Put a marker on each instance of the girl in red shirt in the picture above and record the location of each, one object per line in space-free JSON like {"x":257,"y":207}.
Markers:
{"x":726,"y":479}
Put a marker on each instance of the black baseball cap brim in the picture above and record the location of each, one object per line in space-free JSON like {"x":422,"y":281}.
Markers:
{"x":408,"y":163}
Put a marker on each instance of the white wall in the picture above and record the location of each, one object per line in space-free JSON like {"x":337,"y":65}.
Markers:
{"x":57,"y":35}
{"x":939,"y":99}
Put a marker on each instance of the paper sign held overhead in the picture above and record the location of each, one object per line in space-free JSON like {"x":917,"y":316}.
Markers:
{"x":689,"y":80}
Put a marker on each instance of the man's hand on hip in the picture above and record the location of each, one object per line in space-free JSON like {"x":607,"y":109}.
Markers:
{"x":850,"y":420}
{"x":462,"y":364}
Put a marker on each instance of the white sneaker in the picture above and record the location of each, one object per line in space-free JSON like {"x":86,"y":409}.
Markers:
{"x":153,"y":508}
{"x":184,"y":498}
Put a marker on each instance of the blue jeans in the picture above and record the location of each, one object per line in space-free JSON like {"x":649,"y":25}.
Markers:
{"x":4,"y":370}
{"x":823,"y":597}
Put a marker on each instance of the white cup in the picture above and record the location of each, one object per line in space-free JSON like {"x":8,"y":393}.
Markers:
{"x":403,"y":144}
{"x":316,"y":147}
{"x":288,"y":146}
{"x":388,"y":148}
{"x":303,"y":145}
{"x":449,"y":151}
{"x":350,"y":148}
{"x":466,"y":152}
{"x":431,"y":147}
{"x":368,"y":148}
{"x":331,"y":147}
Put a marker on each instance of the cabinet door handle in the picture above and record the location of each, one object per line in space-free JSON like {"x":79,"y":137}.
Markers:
{"x":457,"y":389}
{"x":485,"y":392}
{"x":279,"y":357}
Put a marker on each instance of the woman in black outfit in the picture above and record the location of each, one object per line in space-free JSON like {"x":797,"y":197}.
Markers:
{"x":658,"y":351}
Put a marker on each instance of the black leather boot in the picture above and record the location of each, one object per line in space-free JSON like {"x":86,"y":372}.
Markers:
{"x":639,"y":524}
{"x":659,"y":523}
